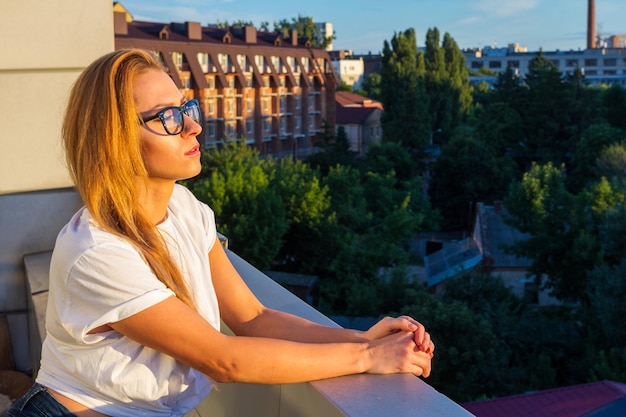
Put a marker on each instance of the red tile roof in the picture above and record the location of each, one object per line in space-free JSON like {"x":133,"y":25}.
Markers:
{"x":574,"y":401}
{"x":347,"y":99}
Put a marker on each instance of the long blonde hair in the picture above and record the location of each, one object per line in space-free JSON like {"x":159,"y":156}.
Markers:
{"x":103,"y":152}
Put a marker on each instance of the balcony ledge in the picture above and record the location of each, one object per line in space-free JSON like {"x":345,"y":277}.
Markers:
{"x":355,"y":395}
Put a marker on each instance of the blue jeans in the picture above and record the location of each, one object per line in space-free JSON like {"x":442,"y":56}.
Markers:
{"x":38,"y":402}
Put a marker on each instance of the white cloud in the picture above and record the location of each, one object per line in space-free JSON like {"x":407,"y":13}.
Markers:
{"x":503,"y":8}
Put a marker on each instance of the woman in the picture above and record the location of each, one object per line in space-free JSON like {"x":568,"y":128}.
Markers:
{"x":139,"y":281}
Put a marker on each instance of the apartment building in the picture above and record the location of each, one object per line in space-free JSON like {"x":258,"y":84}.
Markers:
{"x":599,"y":65}
{"x":272,"y":91}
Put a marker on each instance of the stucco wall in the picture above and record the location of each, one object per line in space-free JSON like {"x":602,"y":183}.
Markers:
{"x":47,"y":43}
{"x":45,"y":46}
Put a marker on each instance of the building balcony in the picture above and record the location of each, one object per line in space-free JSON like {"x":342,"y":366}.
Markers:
{"x":356,"y":395}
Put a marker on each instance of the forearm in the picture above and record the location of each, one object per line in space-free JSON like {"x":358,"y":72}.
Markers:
{"x":275,"y":361}
{"x":280,"y":325}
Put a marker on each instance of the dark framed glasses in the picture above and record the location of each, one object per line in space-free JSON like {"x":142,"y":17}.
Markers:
{"x":173,"y":118}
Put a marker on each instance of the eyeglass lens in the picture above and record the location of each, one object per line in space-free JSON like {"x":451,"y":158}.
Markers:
{"x":173,"y":119}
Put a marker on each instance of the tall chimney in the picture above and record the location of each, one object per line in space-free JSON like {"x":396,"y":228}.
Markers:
{"x":591,"y":24}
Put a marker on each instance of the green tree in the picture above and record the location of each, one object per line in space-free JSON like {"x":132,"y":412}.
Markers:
{"x":371,"y":86}
{"x":308,"y":211}
{"x":403,"y":94}
{"x":563,"y":242}
{"x":446,"y":82}
{"x":594,"y":141}
{"x":546,"y":112}
{"x":334,"y":149}
{"x":453,"y":189}
{"x":614,"y":103}
{"x":248,"y":211}
{"x":612,"y":164}
{"x":306,"y":28}
{"x":470,"y":360}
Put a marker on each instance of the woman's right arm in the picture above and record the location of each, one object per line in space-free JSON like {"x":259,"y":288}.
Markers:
{"x":175,"y":329}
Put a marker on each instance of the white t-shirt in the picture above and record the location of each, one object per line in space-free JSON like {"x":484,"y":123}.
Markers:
{"x":98,"y":278}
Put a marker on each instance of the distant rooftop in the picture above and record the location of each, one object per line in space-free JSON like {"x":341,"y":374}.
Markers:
{"x":596,"y":399}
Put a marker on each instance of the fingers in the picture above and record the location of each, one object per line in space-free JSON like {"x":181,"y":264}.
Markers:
{"x":421,"y":336}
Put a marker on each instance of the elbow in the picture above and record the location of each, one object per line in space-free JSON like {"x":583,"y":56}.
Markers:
{"x":224,"y":373}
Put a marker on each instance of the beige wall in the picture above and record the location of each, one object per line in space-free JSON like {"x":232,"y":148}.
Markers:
{"x":45,"y":45}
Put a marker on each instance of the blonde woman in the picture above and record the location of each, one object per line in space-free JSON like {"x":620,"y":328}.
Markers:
{"x":139,"y":281}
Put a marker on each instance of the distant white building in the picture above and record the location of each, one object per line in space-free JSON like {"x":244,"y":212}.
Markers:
{"x":325,"y":30}
{"x":599,"y":65}
{"x":350,"y":70}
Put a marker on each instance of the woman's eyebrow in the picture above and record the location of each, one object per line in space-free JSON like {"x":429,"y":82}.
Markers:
{"x":161,"y":106}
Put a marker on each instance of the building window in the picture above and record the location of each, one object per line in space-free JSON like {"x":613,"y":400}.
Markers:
{"x":250,"y":126}
{"x":591,"y":72}
{"x":266,"y":104}
{"x":610,"y":62}
{"x":231,"y":106}
{"x":571,"y":63}
{"x":186,"y":82}
{"x":223,"y":60}
{"x":203,"y":59}
{"x":610,"y":72}
{"x":211,"y":82}
{"x":210,"y":129}
{"x":267,"y":125}
{"x":298,"y":122}
{"x":296,"y":102}
{"x":513,"y":64}
{"x":249,"y":105}
{"x":230,"y":130}
{"x":556,"y":62}
{"x":591,"y":62}
{"x":231,"y":82}
{"x":495,"y":64}
{"x":211,"y":106}
{"x":282,"y":105}
{"x":477,"y":65}
{"x":177,"y":57}
{"x":311,"y":103}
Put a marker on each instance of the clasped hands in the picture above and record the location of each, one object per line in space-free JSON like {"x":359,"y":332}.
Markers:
{"x":419,"y":345}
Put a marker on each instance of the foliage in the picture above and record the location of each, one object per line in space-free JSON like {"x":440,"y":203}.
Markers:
{"x":469,"y":357}
{"x":306,"y":28}
{"x":236,"y":186}
{"x":262,"y":205}
{"x":614,"y":103}
{"x":594,"y":142}
{"x":560,"y":243}
{"x":452,"y":190}
{"x":334,"y":149}
{"x":403,"y":94}
{"x":371,"y":86}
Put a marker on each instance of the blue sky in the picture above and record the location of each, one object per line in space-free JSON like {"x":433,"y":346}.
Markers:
{"x":364,"y":25}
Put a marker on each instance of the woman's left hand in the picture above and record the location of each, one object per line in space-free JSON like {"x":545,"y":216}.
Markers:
{"x":389,"y":325}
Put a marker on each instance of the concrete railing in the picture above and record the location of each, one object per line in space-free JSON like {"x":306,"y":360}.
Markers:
{"x":354,"y":396}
